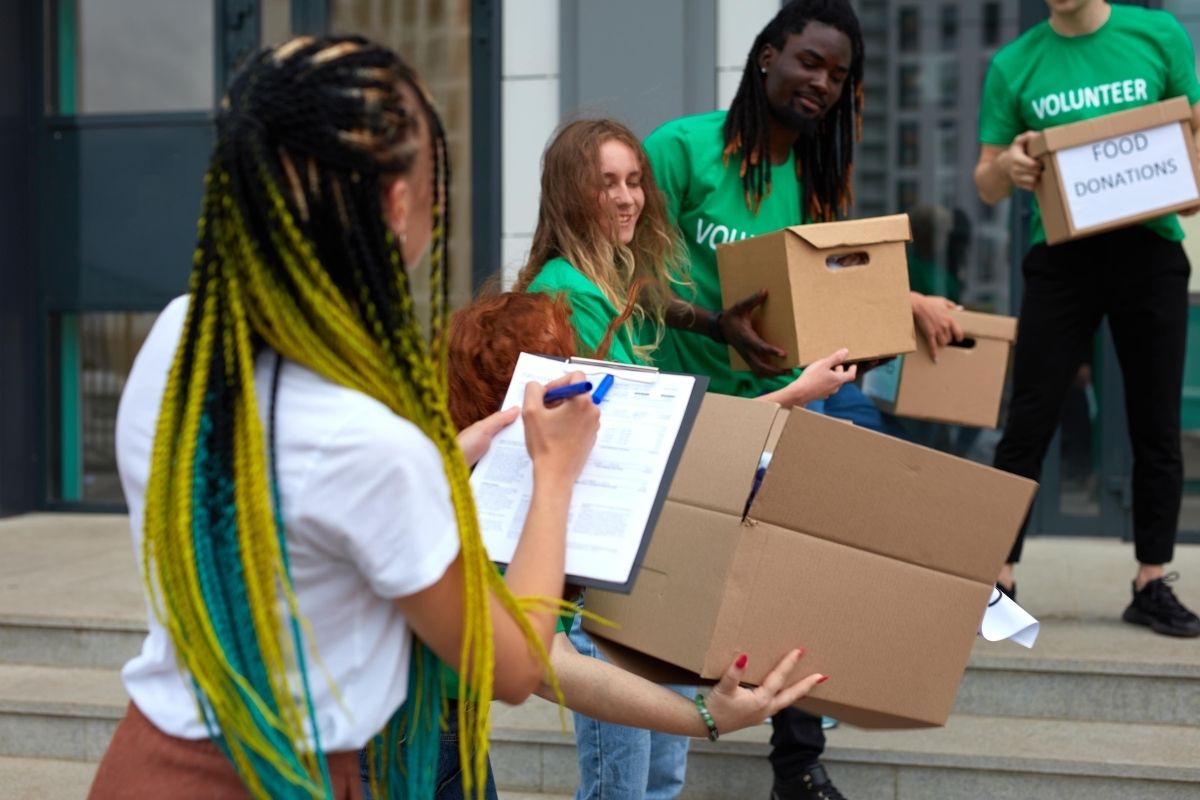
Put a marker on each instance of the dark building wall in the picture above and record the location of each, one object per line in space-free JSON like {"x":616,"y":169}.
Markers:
{"x":20,"y":420}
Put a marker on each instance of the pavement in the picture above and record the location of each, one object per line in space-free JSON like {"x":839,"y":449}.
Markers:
{"x":80,"y":570}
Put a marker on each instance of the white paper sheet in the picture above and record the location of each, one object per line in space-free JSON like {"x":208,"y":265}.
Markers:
{"x":613,"y":497}
{"x":1004,"y":619}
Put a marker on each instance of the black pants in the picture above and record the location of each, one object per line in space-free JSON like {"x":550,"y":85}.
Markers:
{"x":797,"y":742}
{"x":1140,"y":282}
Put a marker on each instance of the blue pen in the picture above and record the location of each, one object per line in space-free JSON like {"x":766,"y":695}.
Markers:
{"x":605,"y":384}
{"x":564,"y":392}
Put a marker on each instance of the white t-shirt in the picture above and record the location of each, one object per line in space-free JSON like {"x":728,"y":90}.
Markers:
{"x":368,"y":518}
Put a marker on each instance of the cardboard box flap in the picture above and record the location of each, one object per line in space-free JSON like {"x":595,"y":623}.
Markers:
{"x":986,"y":326}
{"x":716,"y":470}
{"x":881,"y":494}
{"x":827,"y":235}
{"x":1074,"y":134}
{"x":687,"y":563}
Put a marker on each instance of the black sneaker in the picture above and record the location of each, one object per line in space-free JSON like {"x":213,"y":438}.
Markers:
{"x":811,"y":784}
{"x":1157,"y":607}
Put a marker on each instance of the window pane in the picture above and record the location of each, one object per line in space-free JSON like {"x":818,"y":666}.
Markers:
{"x":949,"y":27}
{"x":948,"y":83}
{"x":133,"y":56}
{"x":95,"y":352}
{"x":910,"y":29}
{"x":910,"y":86}
{"x":991,"y":23}
{"x":910,"y":144}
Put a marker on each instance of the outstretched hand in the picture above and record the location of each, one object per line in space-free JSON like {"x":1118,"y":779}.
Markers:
{"x":734,"y":706}
{"x":738,"y":329}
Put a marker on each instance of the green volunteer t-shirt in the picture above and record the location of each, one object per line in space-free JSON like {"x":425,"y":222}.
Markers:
{"x":591,"y":311}
{"x":929,"y":277}
{"x":705,"y":198}
{"x":1044,"y":79}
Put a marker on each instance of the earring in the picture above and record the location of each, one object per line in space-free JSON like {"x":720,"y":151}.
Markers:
{"x":763,"y":70}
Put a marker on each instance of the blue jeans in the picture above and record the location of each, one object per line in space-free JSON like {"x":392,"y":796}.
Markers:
{"x":449,"y":771}
{"x":849,"y":403}
{"x":622,"y":763}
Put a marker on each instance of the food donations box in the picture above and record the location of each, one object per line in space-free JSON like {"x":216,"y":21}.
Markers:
{"x":1116,"y":170}
{"x":817,"y":304}
{"x":966,"y":384}
{"x":875,"y":555}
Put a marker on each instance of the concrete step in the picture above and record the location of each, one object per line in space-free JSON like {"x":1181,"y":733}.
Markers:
{"x":45,"y":778}
{"x":1083,"y":670}
{"x":973,"y":756}
{"x":69,"y":641}
{"x":58,"y":712}
{"x":1089,"y":670}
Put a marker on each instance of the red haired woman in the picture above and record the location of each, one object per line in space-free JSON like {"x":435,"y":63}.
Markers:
{"x":485,"y":340}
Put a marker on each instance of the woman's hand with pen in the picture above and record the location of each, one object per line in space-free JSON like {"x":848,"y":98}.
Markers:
{"x":559,"y":438}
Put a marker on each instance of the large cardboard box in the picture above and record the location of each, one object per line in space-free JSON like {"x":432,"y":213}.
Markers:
{"x":1117,"y":170}
{"x":814,"y":305}
{"x":876,"y":555}
{"x":966,"y":384}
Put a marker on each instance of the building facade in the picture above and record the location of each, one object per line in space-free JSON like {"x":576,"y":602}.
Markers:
{"x":105,"y":126}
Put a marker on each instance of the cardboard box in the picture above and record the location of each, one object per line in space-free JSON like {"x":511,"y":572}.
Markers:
{"x":1117,"y":170}
{"x":965,"y":386}
{"x":876,"y":555}
{"x":814,"y":307}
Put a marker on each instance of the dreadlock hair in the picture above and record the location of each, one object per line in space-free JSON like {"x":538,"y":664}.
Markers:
{"x":294,"y":254}
{"x":825,"y":160}
{"x":574,"y":224}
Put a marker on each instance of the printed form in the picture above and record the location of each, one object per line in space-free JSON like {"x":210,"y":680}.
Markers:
{"x":640,"y":419}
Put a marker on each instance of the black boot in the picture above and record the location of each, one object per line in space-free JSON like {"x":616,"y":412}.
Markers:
{"x":811,"y":784}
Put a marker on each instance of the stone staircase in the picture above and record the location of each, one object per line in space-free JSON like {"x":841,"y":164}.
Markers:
{"x":1097,"y":710}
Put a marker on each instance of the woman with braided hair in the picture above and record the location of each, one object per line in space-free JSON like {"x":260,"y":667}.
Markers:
{"x":297,"y":492}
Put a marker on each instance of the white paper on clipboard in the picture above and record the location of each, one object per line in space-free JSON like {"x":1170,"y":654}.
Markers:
{"x":640,"y":420}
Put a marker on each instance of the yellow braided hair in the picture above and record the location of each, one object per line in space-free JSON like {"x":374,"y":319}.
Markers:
{"x":294,"y":254}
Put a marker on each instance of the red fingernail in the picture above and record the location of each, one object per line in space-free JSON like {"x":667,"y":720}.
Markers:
{"x":822,"y":679}
{"x":741,"y":662}
{"x":800,"y":651}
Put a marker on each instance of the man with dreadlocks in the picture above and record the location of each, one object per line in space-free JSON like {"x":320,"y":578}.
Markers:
{"x":782,"y":155}
{"x":297,"y":494}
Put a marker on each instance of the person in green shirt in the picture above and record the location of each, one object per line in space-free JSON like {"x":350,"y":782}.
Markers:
{"x":782,"y":155}
{"x":605,"y":246}
{"x":1089,"y":59}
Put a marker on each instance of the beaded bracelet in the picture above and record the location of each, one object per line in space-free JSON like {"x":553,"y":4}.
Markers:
{"x":707,"y":717}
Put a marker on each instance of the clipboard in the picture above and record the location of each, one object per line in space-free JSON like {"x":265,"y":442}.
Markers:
{"x":502,"y":517}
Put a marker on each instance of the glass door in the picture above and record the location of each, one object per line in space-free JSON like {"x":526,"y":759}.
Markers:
{"x":123,"y":142}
